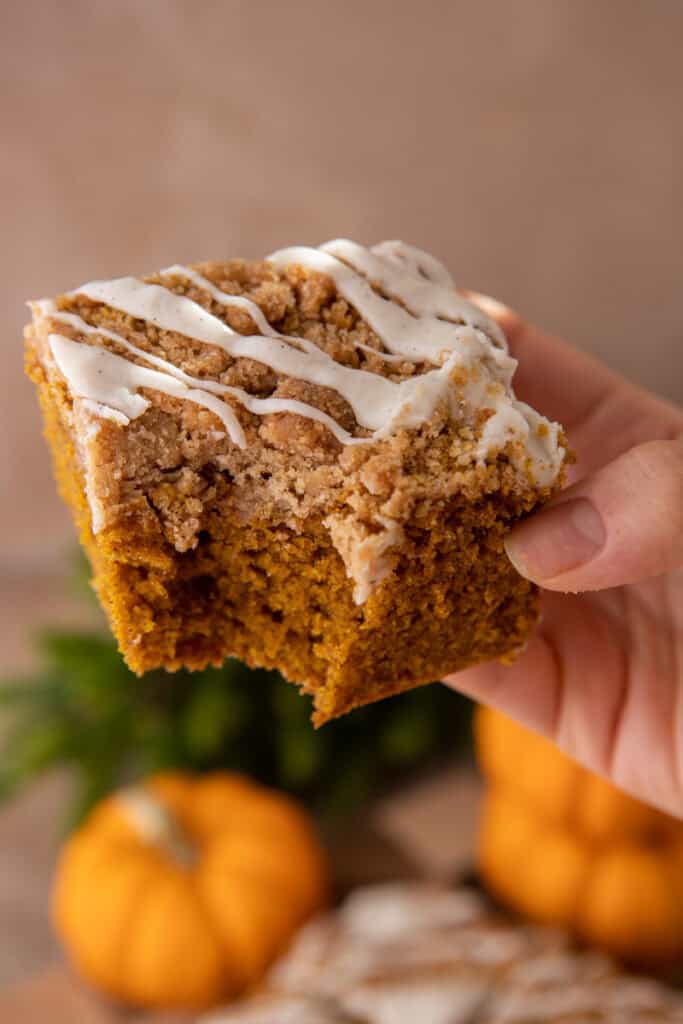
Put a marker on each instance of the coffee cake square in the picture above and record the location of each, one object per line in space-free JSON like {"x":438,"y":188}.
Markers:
{"x":308,"y":462}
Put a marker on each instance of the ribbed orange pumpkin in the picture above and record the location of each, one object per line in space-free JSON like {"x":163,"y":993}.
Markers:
{"x":565,"y":847}
{"x":180,"y":892}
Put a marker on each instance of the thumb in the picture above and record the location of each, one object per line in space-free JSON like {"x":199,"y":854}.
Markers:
{"x":619,"y":525}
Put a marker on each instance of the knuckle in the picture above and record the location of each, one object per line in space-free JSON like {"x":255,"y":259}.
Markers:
{"x":658,"y":468}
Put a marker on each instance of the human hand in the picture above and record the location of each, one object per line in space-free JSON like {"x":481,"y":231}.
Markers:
{"x":603,"y":674}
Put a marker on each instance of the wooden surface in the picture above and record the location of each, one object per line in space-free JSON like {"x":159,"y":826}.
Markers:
{"x":55,"y":997}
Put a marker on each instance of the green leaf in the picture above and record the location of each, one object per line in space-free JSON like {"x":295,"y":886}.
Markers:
{"x":26,"y":691}
{"x":299,"y":757}
{"x":213,"y":717}
{"x":29,"y":749}
{"x":353,"y":784}
{"x":407,"y":734}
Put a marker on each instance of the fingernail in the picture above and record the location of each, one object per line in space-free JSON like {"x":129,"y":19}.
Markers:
{"x":493,"y":307}
{"x":557,"y":539}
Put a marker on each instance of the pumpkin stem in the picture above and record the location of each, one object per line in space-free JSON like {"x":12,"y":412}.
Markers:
{"x":157,"y":824}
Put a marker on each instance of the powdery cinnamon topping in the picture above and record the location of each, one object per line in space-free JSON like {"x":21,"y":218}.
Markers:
{"x":408,"y":352}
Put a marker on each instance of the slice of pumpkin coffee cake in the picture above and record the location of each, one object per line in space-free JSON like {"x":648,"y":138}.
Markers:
{"x":308,"y":462}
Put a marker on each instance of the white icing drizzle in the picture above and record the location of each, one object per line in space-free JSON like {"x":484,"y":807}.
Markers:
{"x":428,"y":299}
{"x":417,"y":315}
{"x":421,"y":263}
{"x":105,"y":412}
{"x":112,"y":382}
{"x":88,"y":427}
{"x":421,"y":337}
{"x":254,"y":311}
{"x":372,"y":398}
{"x":379,"y":405}
{"x":234,"y":301}
{"x":365,"y":557}
{"x":259,"y":406}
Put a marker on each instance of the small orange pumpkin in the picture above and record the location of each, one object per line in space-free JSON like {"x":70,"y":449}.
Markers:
{"x":180,"y":892}
{"x":565,"y":847}
{"x":558,"y":789}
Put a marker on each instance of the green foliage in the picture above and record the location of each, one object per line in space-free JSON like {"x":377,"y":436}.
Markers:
{"x":85,"y":710}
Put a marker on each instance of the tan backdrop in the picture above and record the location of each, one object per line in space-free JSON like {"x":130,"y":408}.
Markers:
{"x":537,"y":146}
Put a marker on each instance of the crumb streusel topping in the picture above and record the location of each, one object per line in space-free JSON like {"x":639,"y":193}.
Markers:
{"x":408,"y":350}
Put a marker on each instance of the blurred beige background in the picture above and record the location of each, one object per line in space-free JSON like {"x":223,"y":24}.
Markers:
{"x":535,"y":145}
